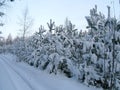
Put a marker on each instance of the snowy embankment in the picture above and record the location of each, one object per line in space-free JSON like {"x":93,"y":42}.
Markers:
{"x":20,"y":76}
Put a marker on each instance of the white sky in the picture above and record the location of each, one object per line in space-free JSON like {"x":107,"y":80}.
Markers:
{"x":44,"y":10}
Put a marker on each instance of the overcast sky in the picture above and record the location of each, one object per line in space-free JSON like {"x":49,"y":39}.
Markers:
{"x":43,"y":10}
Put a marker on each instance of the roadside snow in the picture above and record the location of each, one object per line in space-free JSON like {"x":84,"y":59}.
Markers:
{"x":20,"y":76}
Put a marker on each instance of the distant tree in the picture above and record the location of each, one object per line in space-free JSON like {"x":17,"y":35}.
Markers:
{"x":2,"y":41}
{"x":9,"y":40}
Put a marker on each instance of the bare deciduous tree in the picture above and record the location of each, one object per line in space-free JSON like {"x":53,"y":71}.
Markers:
{"x":26,"y":23}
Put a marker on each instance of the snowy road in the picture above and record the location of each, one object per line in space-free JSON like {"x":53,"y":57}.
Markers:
{"x":20,"y":76}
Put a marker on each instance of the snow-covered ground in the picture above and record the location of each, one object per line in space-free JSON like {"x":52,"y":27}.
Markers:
{"x":20,"y":76}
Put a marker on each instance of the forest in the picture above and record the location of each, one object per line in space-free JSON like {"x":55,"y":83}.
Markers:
{"x":91,"y":57}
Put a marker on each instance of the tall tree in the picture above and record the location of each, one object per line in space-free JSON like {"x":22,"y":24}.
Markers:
{"x":9,"y":40}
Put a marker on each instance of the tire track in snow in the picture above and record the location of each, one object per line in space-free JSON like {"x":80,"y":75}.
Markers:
{"x":32,"y":76}
{"x":22,"y":78}
{"x":5,"y":78}
{"x":36,"y":85}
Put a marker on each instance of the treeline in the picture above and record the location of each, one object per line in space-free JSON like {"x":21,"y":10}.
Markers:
{"x":91,"y":57}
